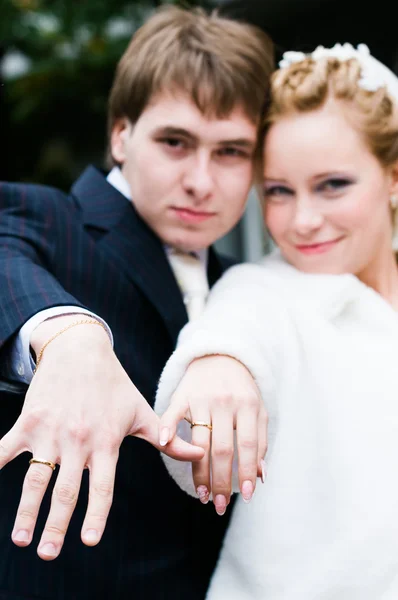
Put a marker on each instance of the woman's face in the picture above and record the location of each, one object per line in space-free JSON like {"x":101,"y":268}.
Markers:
{"x":327,"y":198}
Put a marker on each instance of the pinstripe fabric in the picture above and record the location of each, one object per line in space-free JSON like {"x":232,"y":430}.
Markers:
{"x":91,"y":249}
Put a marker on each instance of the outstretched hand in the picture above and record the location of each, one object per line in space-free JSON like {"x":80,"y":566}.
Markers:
{"x":219,"y":391}
{"x":78,"y":409}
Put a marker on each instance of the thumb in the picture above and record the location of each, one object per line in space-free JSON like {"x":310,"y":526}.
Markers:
{"x":177,"y":448}
{"x":170,"y":419}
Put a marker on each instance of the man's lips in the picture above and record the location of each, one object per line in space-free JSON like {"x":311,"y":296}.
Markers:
{"x":188,"y":215}
{"x":318,"y":248}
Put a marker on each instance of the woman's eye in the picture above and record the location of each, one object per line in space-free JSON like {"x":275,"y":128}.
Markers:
{"x":335,"y":184}
{"x":277,"y":191}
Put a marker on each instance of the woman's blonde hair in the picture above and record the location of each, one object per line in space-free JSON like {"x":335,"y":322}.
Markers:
{"x":307,"y":85}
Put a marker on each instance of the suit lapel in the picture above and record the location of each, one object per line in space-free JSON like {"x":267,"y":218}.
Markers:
{"x":133,"y":246}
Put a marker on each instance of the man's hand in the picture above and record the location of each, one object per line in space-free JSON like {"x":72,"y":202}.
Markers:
{"x":220,"y":391}
{"x":78,"y":409}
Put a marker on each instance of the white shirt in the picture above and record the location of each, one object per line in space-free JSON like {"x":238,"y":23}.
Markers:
{"x":21,"y":364}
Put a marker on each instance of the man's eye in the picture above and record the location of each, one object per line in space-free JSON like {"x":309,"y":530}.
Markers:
{"x":172,"y":142}
{"x":231,"y":151}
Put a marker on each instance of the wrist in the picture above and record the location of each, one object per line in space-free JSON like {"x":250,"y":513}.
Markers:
{"x":67,"y":334}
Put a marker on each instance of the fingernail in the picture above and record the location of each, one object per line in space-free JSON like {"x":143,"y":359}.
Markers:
{"x":164,"y":436}
{"x":247,"y":491}
{"x":203,"y":494}
{"x":263,"y":471}
{"x":21,"y":536}
{"x":91,"y":535}
{"x":220,"y":503}
{"x":48,"y":550}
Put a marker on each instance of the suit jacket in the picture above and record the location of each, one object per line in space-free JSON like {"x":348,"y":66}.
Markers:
{"x":92,"y":249}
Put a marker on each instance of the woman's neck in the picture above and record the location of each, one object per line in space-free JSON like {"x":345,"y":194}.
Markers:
{"x":382,"y":276}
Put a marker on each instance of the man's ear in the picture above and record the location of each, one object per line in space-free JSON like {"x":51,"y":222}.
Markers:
{"x":120,"y":132}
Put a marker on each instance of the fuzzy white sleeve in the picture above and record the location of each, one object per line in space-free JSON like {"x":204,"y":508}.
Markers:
{"x":244,"y":318}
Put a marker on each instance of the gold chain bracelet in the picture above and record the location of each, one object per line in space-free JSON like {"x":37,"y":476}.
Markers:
{"x":61,"y":331}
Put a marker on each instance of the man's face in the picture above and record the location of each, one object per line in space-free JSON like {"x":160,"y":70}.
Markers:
{"x":189,"y":174}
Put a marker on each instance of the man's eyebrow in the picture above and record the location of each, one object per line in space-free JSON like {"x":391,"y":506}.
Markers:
{"x":170,"y":130}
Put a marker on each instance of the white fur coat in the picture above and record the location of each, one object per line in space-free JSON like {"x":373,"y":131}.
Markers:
{"x":324,"y":351}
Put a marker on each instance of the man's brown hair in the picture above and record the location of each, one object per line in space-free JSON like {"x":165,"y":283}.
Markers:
{"x":220,"y":63}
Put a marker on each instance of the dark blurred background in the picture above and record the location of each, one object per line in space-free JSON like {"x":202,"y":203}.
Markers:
{"x":57,"y":60}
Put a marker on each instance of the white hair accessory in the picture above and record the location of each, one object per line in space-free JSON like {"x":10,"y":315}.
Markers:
{"x":374,"y":75}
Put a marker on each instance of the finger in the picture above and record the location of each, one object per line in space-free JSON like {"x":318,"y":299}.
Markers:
{"x":11,"y":446}
{"x":222,"y":453}
{"x":262,"y":443}
{"x":63,"y":503}
{"x":35,"y":484}
{"x":176,"y":448}
{"x":201,"y":437}
{"x":247,"y":444}
{"x":170,"y":419}
{"x":181,"y":450}
{"x":102,"y":481}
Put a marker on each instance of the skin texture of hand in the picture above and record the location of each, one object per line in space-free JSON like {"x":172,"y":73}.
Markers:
{"x":221,"y":391}
{"x":78,"y":409}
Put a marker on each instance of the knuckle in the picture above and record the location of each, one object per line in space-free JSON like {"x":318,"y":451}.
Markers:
{"x":36,"y":479}
{"x":92,"y":517}
{"x":252,"y":401}
{"x":221,"y":485}
{"x":248,"y":443}
{"x":32,"y":418}
{"x":103,"y":488}
{"x":224,"y":400}
{"x":24,"y":514}
{"x":222,"y":450}
{"x":79,"y":432}
{"x":66,"y":494}
{"x":54,"y":529}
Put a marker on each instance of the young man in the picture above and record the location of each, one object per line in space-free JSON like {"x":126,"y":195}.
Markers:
{"x":101,"y":263}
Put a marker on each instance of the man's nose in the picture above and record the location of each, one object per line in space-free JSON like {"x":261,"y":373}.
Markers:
{"x":198,"y":178}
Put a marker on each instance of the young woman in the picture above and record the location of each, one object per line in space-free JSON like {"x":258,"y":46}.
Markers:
{"x":315,"y":326}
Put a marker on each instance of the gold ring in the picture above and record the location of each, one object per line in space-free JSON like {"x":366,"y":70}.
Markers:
{"x":201,"y":424}
{"x":40,"y":461}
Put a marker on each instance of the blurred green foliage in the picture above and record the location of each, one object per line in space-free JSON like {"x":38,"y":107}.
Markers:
{"x":57,"y":64}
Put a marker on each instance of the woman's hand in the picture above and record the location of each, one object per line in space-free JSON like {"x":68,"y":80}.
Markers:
{"x":221,"y":392}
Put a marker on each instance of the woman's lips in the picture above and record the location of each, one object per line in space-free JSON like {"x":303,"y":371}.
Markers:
{"x":192,"y":216}
{"x":317,"y":248}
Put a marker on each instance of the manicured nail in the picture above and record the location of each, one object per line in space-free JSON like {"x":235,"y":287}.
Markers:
{"x":263,"y":471}
{"x":21,"y":536}
{"x":91,"y":536}
{"x":220,"y":503}
{"x":164,"y":436}
{"x":48,"y":549}
{"x":247,"y":491}
{"x":203,"y":494}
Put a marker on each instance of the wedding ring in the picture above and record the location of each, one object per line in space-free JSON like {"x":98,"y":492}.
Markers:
{"x":199,"y":424}
{"x":40,"y":461}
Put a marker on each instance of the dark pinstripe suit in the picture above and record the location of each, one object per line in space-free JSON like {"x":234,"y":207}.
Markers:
{"x":91,"y":249}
